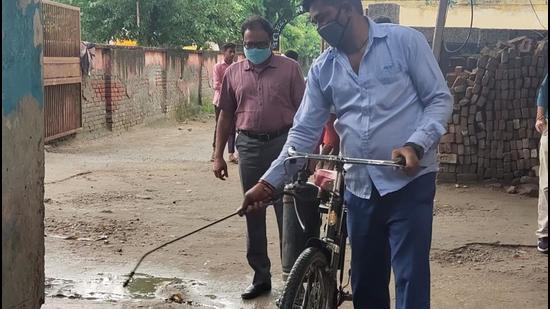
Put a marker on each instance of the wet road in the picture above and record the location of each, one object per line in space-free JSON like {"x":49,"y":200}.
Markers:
{"x":110,"y":200}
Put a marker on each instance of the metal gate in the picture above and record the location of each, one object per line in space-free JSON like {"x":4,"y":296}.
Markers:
{"x":62,"y":74}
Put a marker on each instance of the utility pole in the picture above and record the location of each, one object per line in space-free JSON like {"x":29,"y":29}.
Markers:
{"x":437,"y":46}
{"x":137,"y":13}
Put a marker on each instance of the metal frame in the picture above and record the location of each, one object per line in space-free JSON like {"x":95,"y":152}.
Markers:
{"x":62,"y":73}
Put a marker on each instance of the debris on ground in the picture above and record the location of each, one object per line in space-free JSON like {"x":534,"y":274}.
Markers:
{"x":512,"y":190}
{"x":178,"y":299}
{"x":494,"y":186}
{"x":479,"y":253}
{"x":526,"y":189}
{"x":68,"y":178}
{"x":144,"y":197}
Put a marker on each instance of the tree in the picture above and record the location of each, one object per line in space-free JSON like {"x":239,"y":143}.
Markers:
{"x":177,"y":22}
{"x":162,"y":22}
{"x":280,"y":13}
{"x":301,"y":36}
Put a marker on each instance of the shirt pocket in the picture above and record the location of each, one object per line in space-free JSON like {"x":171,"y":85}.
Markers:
{"x":247,"y":97}
{"x":388,"y":73}
{"x":277,"y":88}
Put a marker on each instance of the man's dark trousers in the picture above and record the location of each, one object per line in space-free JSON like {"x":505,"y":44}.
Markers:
{"x":392,"y":231}
{"x":255,"y":158}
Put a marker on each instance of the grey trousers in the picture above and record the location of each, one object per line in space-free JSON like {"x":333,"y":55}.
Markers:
{"x":255,"y":157}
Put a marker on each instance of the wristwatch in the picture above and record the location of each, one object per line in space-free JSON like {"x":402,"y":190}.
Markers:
{"x":417,"y":148}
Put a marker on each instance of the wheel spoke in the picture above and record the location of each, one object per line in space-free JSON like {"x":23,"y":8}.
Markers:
{"x":308,"y":290}
{"x":313,"y":294}
{"x":309,"y":284}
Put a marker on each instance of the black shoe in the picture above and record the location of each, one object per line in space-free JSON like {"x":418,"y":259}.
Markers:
{"x":254,"y":291}
{"x":543,"y":245}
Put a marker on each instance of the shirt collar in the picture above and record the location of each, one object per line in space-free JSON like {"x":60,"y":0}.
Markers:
{"x":271,"y":64}
{"x":376,"y":31}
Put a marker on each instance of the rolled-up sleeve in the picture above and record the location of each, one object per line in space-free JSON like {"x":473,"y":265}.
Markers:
{"x":304,"y":135}
{"x":432,"y":90}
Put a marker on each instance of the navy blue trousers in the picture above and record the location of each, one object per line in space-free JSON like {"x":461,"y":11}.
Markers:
{"x":393,"y":231}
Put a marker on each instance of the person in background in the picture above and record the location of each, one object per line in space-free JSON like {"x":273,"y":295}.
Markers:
{"x":219,"y":71}
{"x":391,"y":101}
{"x":330,"y":143}
{"x":382,"y":20}
{"x":542,"y":127}
{"x":292,"y":54}
{"x":261,"y":96}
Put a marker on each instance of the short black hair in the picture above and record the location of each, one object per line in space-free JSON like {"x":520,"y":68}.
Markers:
{"x":357,"y":4}
{"x":292,"y":54}
{"x":257,"y":22}
{"x":227,"y":46}
{"x":382,"y":20}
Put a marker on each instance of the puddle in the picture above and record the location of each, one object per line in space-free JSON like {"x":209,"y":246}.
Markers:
{"x":109,"y":288}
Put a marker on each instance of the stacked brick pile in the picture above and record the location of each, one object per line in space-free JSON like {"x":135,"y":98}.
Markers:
{"x":491,"y":134}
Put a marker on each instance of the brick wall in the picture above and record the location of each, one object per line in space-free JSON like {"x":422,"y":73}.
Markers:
{"x":480,"y":38}
{"x":93,"y":104}
{"x":131,"y":86}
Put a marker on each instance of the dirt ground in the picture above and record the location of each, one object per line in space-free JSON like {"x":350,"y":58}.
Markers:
{"x":110,"y":200}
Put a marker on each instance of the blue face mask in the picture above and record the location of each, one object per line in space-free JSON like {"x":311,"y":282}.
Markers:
{"x":257,"y":55}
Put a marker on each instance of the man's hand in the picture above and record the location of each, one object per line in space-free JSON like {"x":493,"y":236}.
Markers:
{"x":220,"y":168}
{"x":411,"y":159}
{"x":256,"y":198}
{"x":540,"y":125}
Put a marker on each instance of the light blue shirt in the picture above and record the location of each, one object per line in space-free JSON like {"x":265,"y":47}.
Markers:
{"x":399,"y":96}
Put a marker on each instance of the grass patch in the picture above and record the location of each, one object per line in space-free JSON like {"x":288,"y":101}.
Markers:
{"x":184,"y":111}
{"x":207,"y":108}
{"x":189,"y":108}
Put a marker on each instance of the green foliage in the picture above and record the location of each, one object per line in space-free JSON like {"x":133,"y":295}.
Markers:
{"x":280,"y":13}
{"x":208,"y":108}
{"x":301,"y":36}
{"x":187,"y":108}
{"x":186,"y":22}
{"x":162,"y":22}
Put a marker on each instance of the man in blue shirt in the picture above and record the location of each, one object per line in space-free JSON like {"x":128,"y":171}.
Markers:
{"x":542,"y":127}
{"x":391,"y":100}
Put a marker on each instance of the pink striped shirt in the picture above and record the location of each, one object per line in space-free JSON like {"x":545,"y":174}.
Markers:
{"x":219,"y":72}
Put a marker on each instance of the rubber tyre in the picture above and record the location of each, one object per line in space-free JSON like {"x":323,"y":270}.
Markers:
{"x":310,"y":258}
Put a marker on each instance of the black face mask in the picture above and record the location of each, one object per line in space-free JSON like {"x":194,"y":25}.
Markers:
{"x":334,"y":32}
